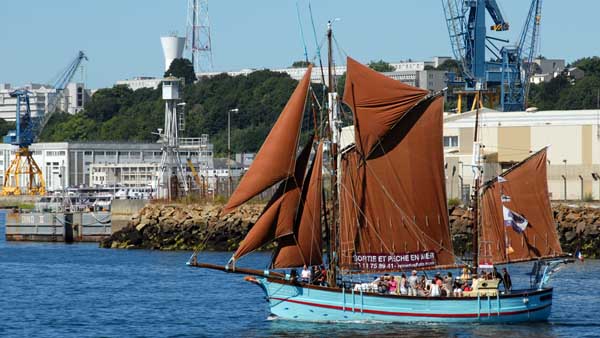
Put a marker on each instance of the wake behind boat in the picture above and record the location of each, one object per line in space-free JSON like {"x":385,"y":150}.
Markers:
{"x":385,"y":213}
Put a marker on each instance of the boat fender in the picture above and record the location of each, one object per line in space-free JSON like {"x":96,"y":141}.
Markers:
{"x":251,"y":279}
{"x":525,"y":300}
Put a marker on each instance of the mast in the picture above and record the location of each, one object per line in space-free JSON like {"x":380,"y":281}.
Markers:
{"x":477,"y":171}
{"x":334,"y":134}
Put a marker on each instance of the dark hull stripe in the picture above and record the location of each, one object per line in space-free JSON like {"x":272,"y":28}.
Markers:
{"x":411,"y":314}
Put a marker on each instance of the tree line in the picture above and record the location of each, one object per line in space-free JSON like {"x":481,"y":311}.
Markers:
{"x":121,"y":114}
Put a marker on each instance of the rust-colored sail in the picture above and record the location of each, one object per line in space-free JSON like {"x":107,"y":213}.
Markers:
{"x":305,"y":245}
{"x":394,"y":202}
{"x":526,"y":185}
{"x":277,"y":219}
{"x":276,"y":158}
{"x":378,"y":103}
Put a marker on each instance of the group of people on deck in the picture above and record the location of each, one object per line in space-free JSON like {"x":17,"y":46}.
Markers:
{"x":438,"y":286}
{"x":316,"y":275}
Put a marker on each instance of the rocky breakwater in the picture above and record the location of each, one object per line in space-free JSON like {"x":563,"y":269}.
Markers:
{"x":187,"y":227}
{"x":578,"y":226}
{"x":184,"y":227}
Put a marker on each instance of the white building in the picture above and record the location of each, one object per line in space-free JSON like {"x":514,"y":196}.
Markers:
{"x":409,"y":72}
{"x":41,"y":98}
{"x":140,"y":82}
{"x":74,"y":164}
{"x":509,"y":137}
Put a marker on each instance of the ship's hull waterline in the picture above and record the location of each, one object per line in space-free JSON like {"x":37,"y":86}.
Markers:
{"x":312,"y":303}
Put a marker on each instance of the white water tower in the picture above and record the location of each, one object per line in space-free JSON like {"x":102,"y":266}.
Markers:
{"x":172,"y":49}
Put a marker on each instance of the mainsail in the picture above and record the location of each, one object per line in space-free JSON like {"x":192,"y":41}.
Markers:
{"x":304,"y":246}
{"x":524,"y":190}
{"x":275,"y":160}
{"x":392,"y":194}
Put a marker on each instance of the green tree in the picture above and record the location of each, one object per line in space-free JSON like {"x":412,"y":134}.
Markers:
{"x":381,"y":66}
{"x":450,"y":65}
{"x":182,"y":68}
{"x":300,"y":64}
{"x":590,"y":65}
{"x":107,"y":102}
{"x":545,"y":95}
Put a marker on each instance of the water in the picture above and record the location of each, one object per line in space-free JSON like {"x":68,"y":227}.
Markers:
{"x":79,"y":290}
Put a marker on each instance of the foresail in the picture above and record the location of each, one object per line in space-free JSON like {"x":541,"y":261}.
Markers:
{"x":525,"y":191}
{"x":275,"y":160}
{"x":378,"y":103}
{"x":394,"y":213}
{"x":277,"y":219}
{"x":304,"y":246}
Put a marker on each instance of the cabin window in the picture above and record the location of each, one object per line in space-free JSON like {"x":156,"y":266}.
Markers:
{"x":450,"y":141}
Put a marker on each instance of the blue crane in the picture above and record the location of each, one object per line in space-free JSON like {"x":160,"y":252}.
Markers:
{"x":27,"y":130}
{"x":504,"y":76}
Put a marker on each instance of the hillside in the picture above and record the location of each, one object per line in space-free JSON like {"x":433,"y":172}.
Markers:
{"x":120,"y":114}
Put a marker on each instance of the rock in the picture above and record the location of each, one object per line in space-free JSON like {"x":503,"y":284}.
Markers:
{"x":580,"y":227}
{"x":570,"y":235}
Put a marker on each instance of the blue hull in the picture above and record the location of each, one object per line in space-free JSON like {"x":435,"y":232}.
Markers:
{"x":314,"y":303}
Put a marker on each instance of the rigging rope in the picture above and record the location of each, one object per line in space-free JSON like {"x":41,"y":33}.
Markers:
{"x":301,"y":32}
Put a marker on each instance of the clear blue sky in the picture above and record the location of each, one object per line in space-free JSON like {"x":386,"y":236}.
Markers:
{"x":121,"y":37}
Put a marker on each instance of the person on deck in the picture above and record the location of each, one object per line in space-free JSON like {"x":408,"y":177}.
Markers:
{"x":403,"y":288}
{"x":457,"y":292}
{"x":392,"y":285}
{"x":322,"y":280}
{"x":448,"y":284}
{"x":496,"y":274}
{"x":382,"y":285}
{"x":465,"y":274}
{"x":412,"y":283}
{"x":316,"y":275}
{"x":435,"y":290}
{"x":506,"y":280}
{"x":306,"y":274}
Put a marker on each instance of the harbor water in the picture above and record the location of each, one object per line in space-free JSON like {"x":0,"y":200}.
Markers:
{"x":79,"y":290}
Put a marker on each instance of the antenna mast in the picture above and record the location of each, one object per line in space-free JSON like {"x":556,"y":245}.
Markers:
{"x":198,"y":40}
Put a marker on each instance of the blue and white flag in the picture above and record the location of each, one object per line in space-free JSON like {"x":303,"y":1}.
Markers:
{"x":502,"y":179}
{"x":514,"y":220}
{"x":579,"y":255}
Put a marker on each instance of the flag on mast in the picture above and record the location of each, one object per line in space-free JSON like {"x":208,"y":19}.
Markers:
{"x":514,"y":220}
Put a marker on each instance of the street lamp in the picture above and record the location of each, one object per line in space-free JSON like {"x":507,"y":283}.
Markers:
{"x":565,"y":179}
{"x":234,"y":110}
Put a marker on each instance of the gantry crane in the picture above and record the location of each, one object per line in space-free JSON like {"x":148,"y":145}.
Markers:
{"x":503,"y":77}
{"x":23,"y":175}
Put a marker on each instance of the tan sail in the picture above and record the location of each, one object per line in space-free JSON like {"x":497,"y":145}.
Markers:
{"x":277,"y":219}
{"x":526,"y":185}
{"x":304,"y":246}
{"x":394,"y":202}
{"x":378,"y":103}
{"x":275,"y":160}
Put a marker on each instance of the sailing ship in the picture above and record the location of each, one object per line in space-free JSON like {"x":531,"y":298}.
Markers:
{"x":386,"y":212}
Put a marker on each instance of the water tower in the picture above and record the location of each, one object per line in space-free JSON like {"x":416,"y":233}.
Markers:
{"x":172,"y":49}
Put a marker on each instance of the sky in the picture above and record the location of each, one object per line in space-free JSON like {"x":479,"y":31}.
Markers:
{"x":121,"y":37}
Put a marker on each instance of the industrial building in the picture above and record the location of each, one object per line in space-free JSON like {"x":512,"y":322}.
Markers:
{"x":573,"y":138}
{"x":74,"y":164}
